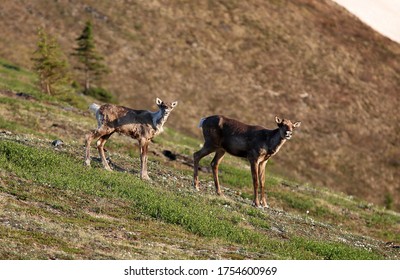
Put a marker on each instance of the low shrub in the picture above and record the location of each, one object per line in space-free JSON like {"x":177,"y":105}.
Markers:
{"x":100,"y":94}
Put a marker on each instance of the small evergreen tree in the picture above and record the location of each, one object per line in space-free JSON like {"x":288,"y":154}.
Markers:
{"x":91,"y":61}
{"x":49,"y":64}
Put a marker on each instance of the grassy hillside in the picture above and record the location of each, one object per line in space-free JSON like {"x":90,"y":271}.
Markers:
{"x":52,"y":207}
{"x":305,"y":60}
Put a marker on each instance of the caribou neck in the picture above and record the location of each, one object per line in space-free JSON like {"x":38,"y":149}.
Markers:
{"x":275,"y":141}
{"x":159,"y":118}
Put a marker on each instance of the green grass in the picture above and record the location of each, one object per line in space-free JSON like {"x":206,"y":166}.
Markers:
{"x":186,"y":144}
{"x":330,"y":250}
{"x":233,"y":176}
{"x":18,"y":79}
{"x":60,"y":171}
{"x":9,"y":125}
{"x":15,"y":78}
{"x":304,"y":205}
{"x":194,"y":214}
{"x":381,"y":219}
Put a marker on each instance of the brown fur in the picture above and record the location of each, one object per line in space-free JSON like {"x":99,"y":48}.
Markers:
{"x":141,"y":125}
{"x":255,"y":143}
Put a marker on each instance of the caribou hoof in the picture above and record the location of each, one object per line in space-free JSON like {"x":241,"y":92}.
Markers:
{"x":145,"y":177}
{"x":256,"y":204}
{"x":264,"y":205}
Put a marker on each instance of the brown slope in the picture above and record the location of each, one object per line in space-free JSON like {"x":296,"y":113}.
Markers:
{"x":305,"y":60}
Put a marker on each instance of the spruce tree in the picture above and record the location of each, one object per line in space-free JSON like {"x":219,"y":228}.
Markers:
{"x":91,"y":61}
{"x":49,"y":64}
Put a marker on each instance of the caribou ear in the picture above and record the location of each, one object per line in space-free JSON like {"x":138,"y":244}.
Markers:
{"x":296,"y":124}
{"x":278,"y":120}
{"x":158,"y":101}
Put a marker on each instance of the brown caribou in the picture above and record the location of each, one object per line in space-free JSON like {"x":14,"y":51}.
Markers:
{"x":255,"y":143}
{"x":141,"y":125}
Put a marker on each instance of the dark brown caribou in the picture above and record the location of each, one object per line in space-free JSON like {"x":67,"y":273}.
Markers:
{"x":255,"y":143}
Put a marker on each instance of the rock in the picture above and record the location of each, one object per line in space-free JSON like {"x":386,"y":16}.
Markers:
{"x":6,"y":132}
{"x":169,"y":154}
{"x":25,"y":95}
{"x":57,"y":143}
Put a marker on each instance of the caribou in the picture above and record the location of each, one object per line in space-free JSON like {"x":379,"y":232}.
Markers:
{"x":141,"y":125}
{"x":255,"y":143}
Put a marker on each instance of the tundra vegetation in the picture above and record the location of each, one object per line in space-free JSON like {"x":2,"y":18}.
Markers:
{"x":340,"y":75}
{"x":53,"y":207}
